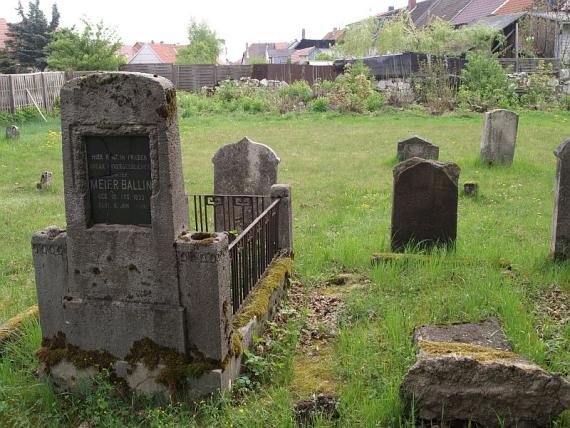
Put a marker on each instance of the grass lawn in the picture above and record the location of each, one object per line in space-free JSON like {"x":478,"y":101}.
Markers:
{"x":340,"y":168}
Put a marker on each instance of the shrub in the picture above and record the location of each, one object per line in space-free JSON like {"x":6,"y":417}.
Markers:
{"x":434,"y":87}
{"x":351,"y":89}
{"x":565,"y":102}
{"x":541,"y":93}
{"x":320,"y":104}
{"x":484,"y":84}
{"x":297,"y":91}
{"x":374,"y":102}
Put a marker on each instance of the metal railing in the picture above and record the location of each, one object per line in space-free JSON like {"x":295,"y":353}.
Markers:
{"x":252,"y":251}
{"x":226,"y":213}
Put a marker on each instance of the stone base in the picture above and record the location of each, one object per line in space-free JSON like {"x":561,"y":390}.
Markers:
{"x":467,"y":372}
{"x":142,"y":380}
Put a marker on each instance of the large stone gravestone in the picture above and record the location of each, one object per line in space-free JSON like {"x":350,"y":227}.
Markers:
{"x":243,"y":168}
{"x":424,"y":206}
{"x":417,"y":147}
{"x":499,"y":136}
{"x":560,"y":244}
{"x":112,"y":278}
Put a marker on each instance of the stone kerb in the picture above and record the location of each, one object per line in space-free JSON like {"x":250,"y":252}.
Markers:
{"x":499,"y":136}
{"x":424,"y":205}
{"x":285,"y":215}
{"x":560,"y":243}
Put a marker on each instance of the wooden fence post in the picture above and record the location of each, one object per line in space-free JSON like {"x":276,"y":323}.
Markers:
{"x":12,"y":94}
{"x":44,"y":92}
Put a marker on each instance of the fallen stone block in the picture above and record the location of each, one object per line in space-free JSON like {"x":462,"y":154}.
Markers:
{"x":468,"y":373}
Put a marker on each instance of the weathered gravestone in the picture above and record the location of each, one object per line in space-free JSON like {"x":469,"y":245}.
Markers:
{"x":120,"y":284}
{"x":243,"y":168}
{"x":468,"y":372}
{"x":499,"y":136}
{"x":417,"y":147}
{"x":560,"y":244}
{"x":12,"y":132}
{"x":424,"y":205}
{"x":470,"y":188}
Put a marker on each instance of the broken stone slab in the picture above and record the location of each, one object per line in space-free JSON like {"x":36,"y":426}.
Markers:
{"x":468,"y":372}
{"x":12,"y":132}
{"x":45,"y":181}
{"x":417,"y":147}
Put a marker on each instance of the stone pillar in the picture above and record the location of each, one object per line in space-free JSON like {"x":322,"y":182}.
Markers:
{"x":283,"y":192}
{"x":205,"y":293}
{"x":49,"y":249}
{"x":499,"y":136}
{"x":560,"y":244}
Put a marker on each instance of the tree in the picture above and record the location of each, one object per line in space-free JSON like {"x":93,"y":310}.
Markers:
{"x":204,"y":48}
{"x":95,"y":48}
{"x":28,"y":38}
{"x":399,"y":34}
{"x":7,"y":64}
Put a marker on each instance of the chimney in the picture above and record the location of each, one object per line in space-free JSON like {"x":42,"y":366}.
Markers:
{"x":390,"y":8}
{"x":411,"y":5}
{"x":303,"y":34}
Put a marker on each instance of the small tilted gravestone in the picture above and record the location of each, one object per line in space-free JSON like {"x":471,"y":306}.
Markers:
{"x":560,"y":244}
{"x":12,"y":132}
{"x":468,"y":372}
{"x":243,"y":168}
{"x":424,"y":204}
{"x":417,"y":147}
{"x":45,"y":181}
{"x":499,"y":137}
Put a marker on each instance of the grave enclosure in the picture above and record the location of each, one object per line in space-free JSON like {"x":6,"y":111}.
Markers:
{"x":129,"y":278}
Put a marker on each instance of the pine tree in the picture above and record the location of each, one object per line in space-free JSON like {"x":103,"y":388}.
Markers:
{"x":28,"y":38}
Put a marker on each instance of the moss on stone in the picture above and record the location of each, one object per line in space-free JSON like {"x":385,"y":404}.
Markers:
{"x":478,"y":352}
{"x":168,"y":109}
{"x":258,"y":301}
{"x":56,"y":349}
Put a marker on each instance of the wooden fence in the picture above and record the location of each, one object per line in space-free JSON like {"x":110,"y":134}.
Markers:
{"x":190,"y":77}
{"x":529,"y":65}
{"x":21,"y":90}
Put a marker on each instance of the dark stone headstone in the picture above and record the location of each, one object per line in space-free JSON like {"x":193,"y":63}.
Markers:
{"x":424,"y":207}
{"x":560,"y":244}
{"x":417,"y":147}
{"x":12,"y":132}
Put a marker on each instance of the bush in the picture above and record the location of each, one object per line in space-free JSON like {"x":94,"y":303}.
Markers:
{"x":299,"y":91}
{"x":541,"y":93}
{"x":565,"y":102}
{"x":320,"y":104}
{"x":351,"y":89}
{"x":484,"y":84}
{"x":434,"y":87}
{"x":374,"y":102}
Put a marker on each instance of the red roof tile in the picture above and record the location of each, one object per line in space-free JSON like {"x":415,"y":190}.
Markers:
{"x":514,"y":6}
{"x":296,"y":56}
{"x":165,"y":51}
{"x":3,"y":33}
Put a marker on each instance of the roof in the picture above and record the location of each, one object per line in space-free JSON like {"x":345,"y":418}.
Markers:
{"x":553,"y":16}
{"x":335,"y":34}
{"x":498,"y":22}
{"x":443,"y":9}
{"x":272,"y":53}
{"x":165,"y":51}
{"x":513,"y":6}
{"x":3,"y":33}
{"x":296,"y":56}
{"x":420,"y":9}
{"x":309,"y":43}
{"x":128,"y":51}
{"x":475,"y":10}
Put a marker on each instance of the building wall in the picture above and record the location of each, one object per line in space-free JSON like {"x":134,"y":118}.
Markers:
{"x":145,"y":56}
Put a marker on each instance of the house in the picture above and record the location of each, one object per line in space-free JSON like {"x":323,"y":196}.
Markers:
{"x":335,"y":34}
{"x":3,"y":33}
{"x":151,"y":53}
{"x":551,"y":34}
{"x":256,"y":52}
{"x":306,"y":55}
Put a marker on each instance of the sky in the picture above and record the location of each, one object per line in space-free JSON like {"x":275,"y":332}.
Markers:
{"x":237,"y":22}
